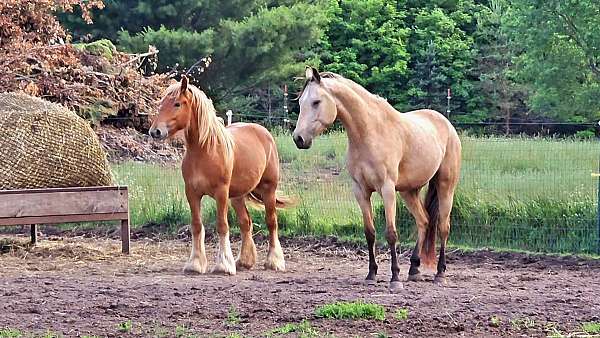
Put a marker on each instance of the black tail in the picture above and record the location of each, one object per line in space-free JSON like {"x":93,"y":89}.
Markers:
{"x":432,"y":205}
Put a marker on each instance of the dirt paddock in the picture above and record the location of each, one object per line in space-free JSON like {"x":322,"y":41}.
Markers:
{"x":78,"y":286}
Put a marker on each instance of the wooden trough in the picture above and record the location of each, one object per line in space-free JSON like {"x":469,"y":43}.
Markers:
{"x":66,"y":205}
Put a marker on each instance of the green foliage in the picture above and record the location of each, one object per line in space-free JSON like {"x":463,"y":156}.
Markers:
{"x":304,"y":329}
{"x":10,"y":333}
{"x":125,"y":326}
{"x":495,"y":321}
{"x":233,"y":316}
{"x":591,"y":327}
{"x":366,"y":42}
{"x":560,"y":59}
{"x":102,"y":47}
{"x":351,"y":310}
{"x":401,"y":314}
{"x":250,"y":43}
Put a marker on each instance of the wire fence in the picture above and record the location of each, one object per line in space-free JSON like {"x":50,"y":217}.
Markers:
{"x":527,"y":193}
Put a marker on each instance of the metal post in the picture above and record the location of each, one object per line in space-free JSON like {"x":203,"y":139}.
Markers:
{"x":229,"y":116}
{"x":285,"y":106}
{"x":448,"y":106}
{"x":598,"y":208}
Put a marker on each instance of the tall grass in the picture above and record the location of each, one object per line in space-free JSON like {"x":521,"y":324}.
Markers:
{"x":521,"y":193}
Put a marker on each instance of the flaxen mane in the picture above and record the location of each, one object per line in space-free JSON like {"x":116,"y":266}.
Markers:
{"x":211,"y":130}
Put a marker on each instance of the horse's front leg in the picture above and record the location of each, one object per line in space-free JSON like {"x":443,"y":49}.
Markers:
{"x":224,"y":261}
{"x":364,"y":201}
{"x":197,"y":262}
{"x":388,"y":193}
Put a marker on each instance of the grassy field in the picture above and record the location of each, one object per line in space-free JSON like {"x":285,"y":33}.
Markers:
{"x":519,"y":193}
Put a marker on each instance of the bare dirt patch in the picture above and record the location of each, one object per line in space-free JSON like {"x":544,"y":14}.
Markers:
{"x":79,"y":286}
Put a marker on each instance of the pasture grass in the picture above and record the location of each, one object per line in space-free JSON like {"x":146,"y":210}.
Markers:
{"x":351,"y":310}
{"x":532,"y":194}
{"x":401,"y":314}
{"x":233,"y":316}
{"x":591,"y":328}
{"x":125,"y":326}
{"x":10,"y":333}
{"x":495,"y":321}
{"x":304,"y":329}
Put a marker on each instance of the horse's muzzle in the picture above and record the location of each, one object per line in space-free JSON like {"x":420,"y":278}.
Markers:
{"x":301,"y":143}
{"x":157,"y":133}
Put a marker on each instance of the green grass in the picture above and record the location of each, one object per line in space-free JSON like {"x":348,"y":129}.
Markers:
{"x":351,"y":310}
{"x":495,"y":321}
{"x":401,"y":314}
{"x":303,"y":329}
{"x":125,"y":326}
{"x":531,"y":194}
{"x":10,"y":333}
{"x":591,"y":327}
{"x":233,"y":316}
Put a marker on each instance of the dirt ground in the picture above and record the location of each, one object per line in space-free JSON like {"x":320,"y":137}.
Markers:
{"x":79,"y":286}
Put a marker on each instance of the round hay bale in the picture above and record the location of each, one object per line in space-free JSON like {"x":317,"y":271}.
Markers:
{"x":45,"y":145}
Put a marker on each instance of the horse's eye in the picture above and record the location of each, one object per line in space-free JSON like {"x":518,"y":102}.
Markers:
{"x":177,"y":104}
{"x":316,"y":103}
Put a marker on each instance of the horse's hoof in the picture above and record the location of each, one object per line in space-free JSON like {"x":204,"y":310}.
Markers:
{"x":370,"y":282}
{"x":243,"y":265}
{"x":440,"y":280}
{"x":396,"y":286}
{"x":222,"y":269}
{"x":415,"y":278}
{"x":275,"y":266}
{"x":194,"y":268}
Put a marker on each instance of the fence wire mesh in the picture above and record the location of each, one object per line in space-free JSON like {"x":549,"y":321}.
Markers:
{"x":523,"y":193}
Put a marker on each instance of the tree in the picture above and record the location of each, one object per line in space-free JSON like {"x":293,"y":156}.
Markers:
{"x":250,"y":43}
{"x":501,"y":98}
{"x":366,"y":42}
{"x":561,"y":58}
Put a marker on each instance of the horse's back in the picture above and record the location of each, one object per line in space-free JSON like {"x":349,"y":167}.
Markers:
{"x":432,"y":121}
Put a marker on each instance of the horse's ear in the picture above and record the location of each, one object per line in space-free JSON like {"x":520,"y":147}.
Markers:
{"x":316,"y":75}
{"x":184,"y":84}
{"x":312,"y":74}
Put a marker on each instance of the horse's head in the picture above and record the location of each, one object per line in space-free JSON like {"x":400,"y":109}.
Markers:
{"x":317,"y":110}
{"x":174,"y":111}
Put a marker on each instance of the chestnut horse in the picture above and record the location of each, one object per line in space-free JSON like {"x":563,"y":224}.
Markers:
{"x":388,"y":151}
{"x":239,"y":162}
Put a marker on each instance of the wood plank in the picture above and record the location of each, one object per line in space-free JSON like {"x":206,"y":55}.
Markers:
{"x":34,"y":232}
{"x":125,"y":236}
{"x":70,"y":189}
{"x":49,"y":203}
{"x":54,"y":219}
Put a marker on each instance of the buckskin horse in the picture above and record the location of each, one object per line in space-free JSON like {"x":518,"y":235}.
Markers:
{"x":388,"y":151}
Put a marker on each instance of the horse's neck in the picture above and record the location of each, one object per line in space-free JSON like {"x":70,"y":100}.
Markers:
{"x":360,"y":120}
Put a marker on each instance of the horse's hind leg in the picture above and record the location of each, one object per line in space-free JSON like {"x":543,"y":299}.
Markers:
{"x":247,"y":256}
{"x":446,"y":198}
{"x":415,"y":206}
{"x":275,"y":260}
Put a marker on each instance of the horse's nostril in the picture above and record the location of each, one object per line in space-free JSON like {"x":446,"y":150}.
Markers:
{"x":299,"y":141}
{"x":155,"y":133}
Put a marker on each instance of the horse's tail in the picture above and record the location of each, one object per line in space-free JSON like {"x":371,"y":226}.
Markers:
{"x":281,"y":202}
{"x":432,"y":205}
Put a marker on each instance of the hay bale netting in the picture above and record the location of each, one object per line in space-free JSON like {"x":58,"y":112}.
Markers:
{"x":45,"y":145}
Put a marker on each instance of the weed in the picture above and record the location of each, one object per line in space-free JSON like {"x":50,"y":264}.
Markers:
{"x":591,"y":327}
{"x":522,"y":323}
{"x":125,"y":326}
{"x":10,"y":333}
{"x":233,"y":317}
{"x":351,"y":310}
{"x":304,"y":329}
{"x":495,"y":321}
{"x":401,"y":314}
